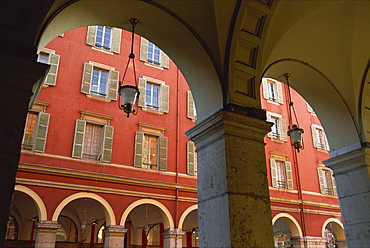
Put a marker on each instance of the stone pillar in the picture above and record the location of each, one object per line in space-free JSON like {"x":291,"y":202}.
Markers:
{"x":172,"y":238}
{"x":114,"y":236}
{"x":351,"y":172}
{"x":233,"y":196}
{"x":297,"y":242}
{"x":18,"y":76}
{"x":46,"y":231}
{"x":315,"y":242}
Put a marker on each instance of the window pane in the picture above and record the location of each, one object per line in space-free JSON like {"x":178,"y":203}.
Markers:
{"x":92,"y":142}
{"x":271,"y":91}
{"x":103,"y":37}
{"x":281,"y":174}
{"x":99,"y":82}
{"x":43,"y":58}
{"x":152,"y":95}
{"x":150,"y":152}
{"x":29,"y":132}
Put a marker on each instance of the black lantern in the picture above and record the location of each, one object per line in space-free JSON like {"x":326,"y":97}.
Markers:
{"x":129,"y":93}
{"x":295,"y":132}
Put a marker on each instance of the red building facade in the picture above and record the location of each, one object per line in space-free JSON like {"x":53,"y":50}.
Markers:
{"x":91,"y":177}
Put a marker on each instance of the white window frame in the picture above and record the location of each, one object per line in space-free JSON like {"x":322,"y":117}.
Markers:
{"x":164,"y":60}
{"x":163,"y":95}
{"x":277,"y":90}
{"x":322,"y":143}
{"x":288,"y":173}
{"x":104,"y":34}
{"x":280,"y":128}
{"x":326,"y":180}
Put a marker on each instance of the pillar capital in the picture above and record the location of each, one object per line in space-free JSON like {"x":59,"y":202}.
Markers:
{"x":172,"y":237}
{"x":114,"y":236}
{"x":45,"y":233}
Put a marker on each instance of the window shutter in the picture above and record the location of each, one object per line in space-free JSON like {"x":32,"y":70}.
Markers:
{"x":321,"y":175}
{"x":142,"y":89}
{"x":86,"y":78}
{"x":113,"y":85}
{"x":163,"y":153}
{"x":116,"y":40}
{"x":273,"y":172}
{"x":144,"y":49}
{"x":284,"y":134}
{"x":191,"y":107}
{"x":107,"y":143}
{"x":269,"y":134}
{"x":289,"y":177}
{"x":314,"y":137}
{"x":279,"y":88}
{"x":139,"y":142}
{"x":90,"y":38}
{"x":79,"y":138}
{"x":190,"y":158}
{"x":327,"y":148}
{"x":165,"y":98}
{"x":53,"y":70}
{"x":41,"y":132}
{"x":334,"y":184}
{"x":165,"y":60}
{"x":265,"y":89}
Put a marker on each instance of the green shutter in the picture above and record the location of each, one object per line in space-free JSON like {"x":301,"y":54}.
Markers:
{"x":142,"y":89}
{"x":334,"y":184}
{"x":321,"y":175}
{"x":53,"y":70}
{"x":162,"y":153}
{"x":113,"y":85}
{"x":79,"y":138}
{"x":144,"y":49}
{"x":327,"y":147}
{"x":90,"y":38}
{"x":86,"y":78}
{"x":289,"y":177}
{"x":191,"y":107}
{"x":139,"y":142}
{"x":314,"y":137}
{"x":41,"y":132}
{"x":165,"y":98}
{"x":165,"y":60}
{"x":265,"y":89}
{"x":284,"y":133}
{"x":273,"y":172}
{"x":107,"y":143}
{"x":279,"y":88}
{"x":190,"y":158}
{"x":268,"y":117}
{"x":116,"y":41}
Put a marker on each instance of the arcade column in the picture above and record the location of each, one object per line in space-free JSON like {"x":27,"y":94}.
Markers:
{"x":46,"y":231}
{"x":172,"y":237}
{"x":233,"y":197}
{"x":114,"y":236}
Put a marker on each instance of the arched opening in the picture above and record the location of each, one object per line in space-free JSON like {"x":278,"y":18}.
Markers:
{"x":190,"y":228}
{"x":287,"y":231}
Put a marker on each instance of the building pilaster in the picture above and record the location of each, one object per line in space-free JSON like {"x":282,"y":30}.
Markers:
{"x":233,"y":198}
{"x":114,"y":236}
{"x":45,"y":233}
{"x":172,"y":238}
{"x":351,"y":172}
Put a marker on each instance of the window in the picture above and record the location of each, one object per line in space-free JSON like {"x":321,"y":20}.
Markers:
{"x":36,"y":128}
{"x":150,"y":53}
{"x":281,"y":172}
{"x":310,"y":109}
{"x":278,"y":129}
{"x":150,"y":148}
{"x":105,"y":38}
{"x":272,"y":90}
{"x":191,"y":159}
{"x":93,"y":137}
{"x":191,"y":111}
{"x":319,"y":138}
{"x":99,"y":81}
{"x":156,"y":96}
{"x":326,"y":180}
{"x":47,"y":56}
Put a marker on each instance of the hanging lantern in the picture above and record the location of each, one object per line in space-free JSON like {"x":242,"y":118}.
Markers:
{"x":129,"y":93}
{"x":295,"y":134}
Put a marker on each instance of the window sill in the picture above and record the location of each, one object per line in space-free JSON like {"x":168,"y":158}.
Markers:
{"x":273,"y":102}
{"x":322,"y":150}
{"x":154,"y":66}
{"x":152,"y":111}
{"x":98,"y":98}
{"x":102,"y":50}
{"x":277,"y":140}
